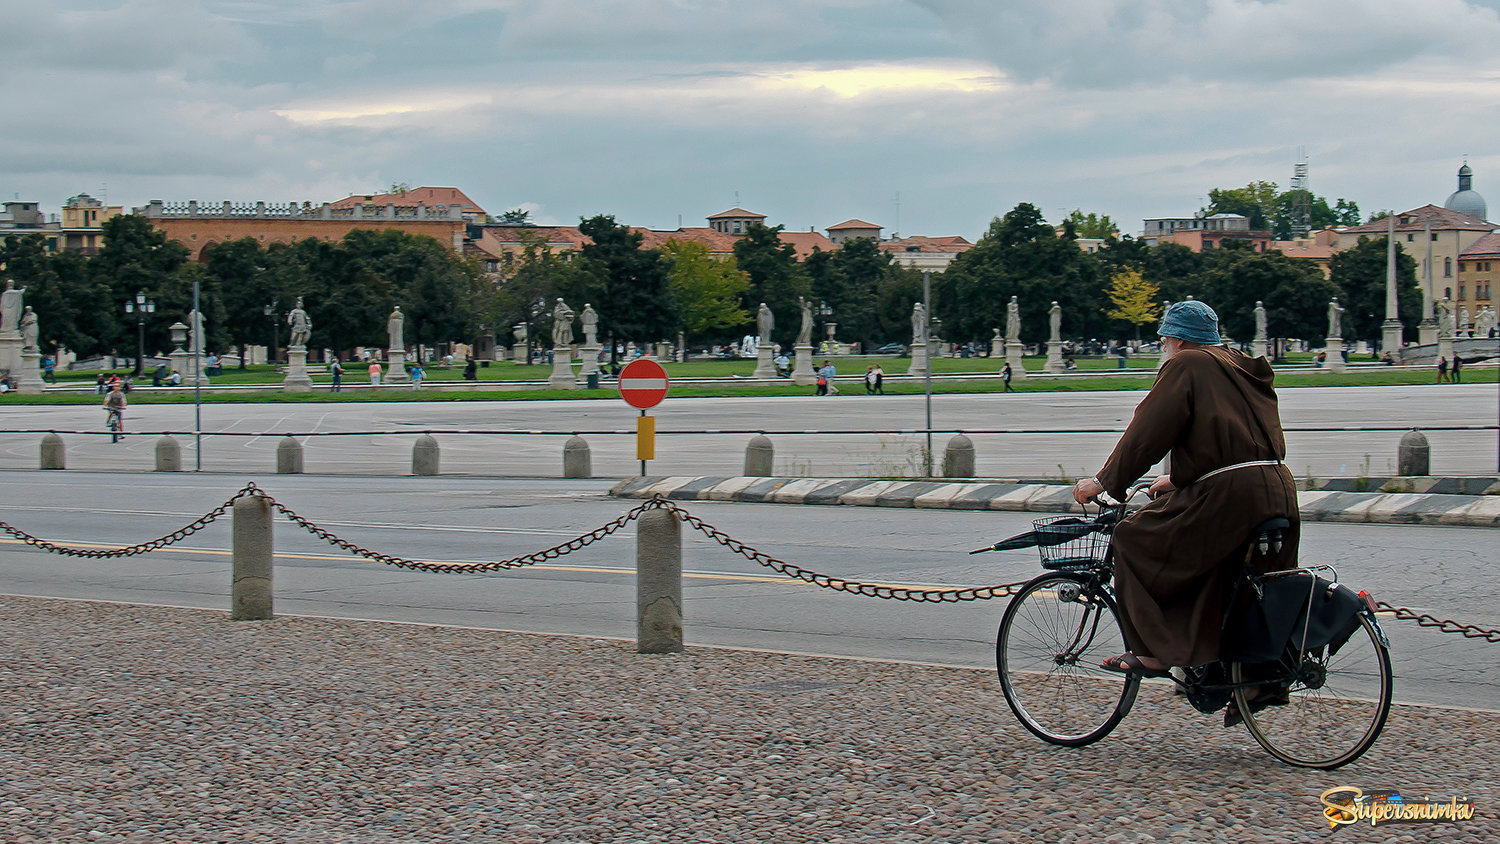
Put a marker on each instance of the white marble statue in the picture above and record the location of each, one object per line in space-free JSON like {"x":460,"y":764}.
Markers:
{"x":765,"y":321}
{"x":197,"y":340}
{"x":10,"y":308}
{"x":1054,"y":321}
{"x":590,"y":325}
{"x":1335,"y":318}
{"x":28,"y":330}
{"x":562,"y":325}
{"x":918,"y":323}
{"x":301,"y":326}
{"x":1013,"y":320}
{"x":1484,"y":322}
{"x":1444,"y":308}
{"x":1260,"y":321}
{"x":804,"y":334}
{"x":1463,"y":317}
{"x":393,"y":328}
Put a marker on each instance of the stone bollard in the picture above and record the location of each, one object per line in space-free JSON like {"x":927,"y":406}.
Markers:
{"x":760,"y":455}
{"x":424,"y":456}
{"x":958,"y":459}
{"x":250,"y":593}
{"x":54,"y":453}
{"x":1413,"y":456}
{"x":289,"y":456}
{"x":577,"y":459}
{"x":658,"y":583}
{"x":168,"y":455}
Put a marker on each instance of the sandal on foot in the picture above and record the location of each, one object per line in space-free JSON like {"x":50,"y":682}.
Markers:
{"x":1131,"y":664}
{"x":1272,"y":695}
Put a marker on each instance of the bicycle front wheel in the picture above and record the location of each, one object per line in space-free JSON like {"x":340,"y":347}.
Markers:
{"x":1336,"y":703}
{"x":1053,"y":636}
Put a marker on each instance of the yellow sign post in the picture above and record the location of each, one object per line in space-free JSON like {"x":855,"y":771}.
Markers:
{"x":645,"y":438}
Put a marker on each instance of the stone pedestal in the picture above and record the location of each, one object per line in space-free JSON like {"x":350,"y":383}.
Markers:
{"x":518,"y":354}
{"x":297,"y":380}
{"x":562,"y":370}
{"x":10,"y":355}
{"x":1334,"y":348}
{"x":590,"y":357}
{"x":997,"y":348}
{"x":1259,"y":348}
{"x":765,"y":367}
{"x":29,"y":379}
{"x":1427,"y":332}
{"x":803,"y":372}
{"x":1013,"y":351}
{"x":1390,"y":337}
{"x":918,"y":359}
{"x":191,"y":375}
{"x":395,"y":367}
{"x":1055,"y":358}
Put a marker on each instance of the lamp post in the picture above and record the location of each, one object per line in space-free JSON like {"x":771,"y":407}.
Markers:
{"x":140,"y":306}
{"x":273,"y":316}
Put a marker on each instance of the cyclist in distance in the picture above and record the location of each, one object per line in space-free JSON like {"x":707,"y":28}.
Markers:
{"x":1177,"y":559}
{"x":114,"y":404}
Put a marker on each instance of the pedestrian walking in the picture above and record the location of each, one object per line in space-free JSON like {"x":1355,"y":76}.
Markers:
{"x":828,"y":372}
{"x":1005,"y":375}
{"x":869,"y":380}
{"x":1458,"y":363}
{"x":879,"y":380}
{"x":375,"y":372}
{"x":336,"y":369}
{"x":416,"y":376}
{"x":1442,"y":370}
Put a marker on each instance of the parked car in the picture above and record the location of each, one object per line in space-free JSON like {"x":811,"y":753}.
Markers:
{"x":890,"y":349}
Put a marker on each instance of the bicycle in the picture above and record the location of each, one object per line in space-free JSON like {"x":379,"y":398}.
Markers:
{"x":1314,"y":691}
{"x":115,"y":422}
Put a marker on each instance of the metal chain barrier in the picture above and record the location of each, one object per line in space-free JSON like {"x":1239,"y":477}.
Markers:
{"x":175,"y":536}
{"x":872,"y":590}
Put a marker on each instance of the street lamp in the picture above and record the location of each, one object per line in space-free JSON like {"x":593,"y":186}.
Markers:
{"x":140,"y":306}
{"x":272,"y":315}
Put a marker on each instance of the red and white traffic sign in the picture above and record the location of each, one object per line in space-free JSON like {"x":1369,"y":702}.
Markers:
{"x":643,"y":383}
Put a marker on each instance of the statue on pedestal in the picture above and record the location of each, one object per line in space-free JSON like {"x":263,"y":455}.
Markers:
{"x":28,"y":330}
{"x":393,"y":326}
{"x":804,"y":334}
{"x":1445,"y":318}
{"x":765,"y":321}
{"x":1013,"y":320}
{"x":301,"y":326}
{"x":562,"y":325}
{"x":196,"y":338}
{"x":590,"y":325}
{"x":10,"y":308}
{"x":1260,"y":321}
{"x":918,"y":324}
{"x":1335,"y":318}
{"x":1054,"y":320}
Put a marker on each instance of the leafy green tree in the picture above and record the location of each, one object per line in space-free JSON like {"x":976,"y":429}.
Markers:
{"x":1346,"y":213}
{"x":708,"y":291}
{"x":1293,"y":290}
{"x":69,"y":303}
{"x":636,"y":287}
{"x":136,"y":257}
{"x":1359,"y":272}
{"x":240,"y":271}
{"x":1177,"y":270}
{"x":524,"y":295}
{"x":1256,"y":200}
{"x":346,"y":300}
{"x":848,"y":280}
{"x":1092,"y":225}
{"x":436,"y":289}
{"x":1136,"y":300}
{"x":1021,"y":256}
{"x":776,"y":277}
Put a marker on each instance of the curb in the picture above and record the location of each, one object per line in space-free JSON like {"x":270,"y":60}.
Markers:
{"x":1314,"y":505}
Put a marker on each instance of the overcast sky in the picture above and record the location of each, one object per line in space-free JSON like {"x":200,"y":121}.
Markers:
{"x":808,"y":111}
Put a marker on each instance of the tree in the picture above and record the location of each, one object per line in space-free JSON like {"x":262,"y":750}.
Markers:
{"x":1092,"y":225}
{"x":516,"y":217}
{"x":1256,"y":200}
{"x":67,"y":301}
{"x":346,"y":300}
{"x":136,"y":257}
{"x":1360,"y":273}
{"x":436,"y":289}
{"x":848,"y":280}
{"x":776,"y":277}
{"x":707,"y":290}
{"x":637,"y":301}
{"x":240,"y":272}
{"x":1346,"y":213}
{"x":1293,"y":290}
{"x":534,"y":281}
{"x":1135,"y":300}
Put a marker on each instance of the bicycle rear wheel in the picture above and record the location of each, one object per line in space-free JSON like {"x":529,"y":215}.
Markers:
{"x":1053,"y":636}
{"x":1336,"y":705}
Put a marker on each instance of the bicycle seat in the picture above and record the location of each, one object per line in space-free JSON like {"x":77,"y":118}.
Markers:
{"x":1267,"y":536}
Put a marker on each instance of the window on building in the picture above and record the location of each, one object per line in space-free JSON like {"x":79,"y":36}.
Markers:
{"x":1434,"y":237}
{"x":1461,"y":292}
{"x":1461,"y":266}
{"x":1447,"y":268}
{"x":1409,"y":238}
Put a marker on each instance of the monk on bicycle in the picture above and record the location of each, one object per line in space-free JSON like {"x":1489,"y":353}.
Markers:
{"x":1177,"y":559}
{"x":114,"y":405}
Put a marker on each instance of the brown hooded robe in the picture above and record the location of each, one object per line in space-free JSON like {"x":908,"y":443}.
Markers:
{"x":1177,"y":558}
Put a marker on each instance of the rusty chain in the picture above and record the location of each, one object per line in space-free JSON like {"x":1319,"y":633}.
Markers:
{"x":163,"y":541}
{"x":873,"y":590}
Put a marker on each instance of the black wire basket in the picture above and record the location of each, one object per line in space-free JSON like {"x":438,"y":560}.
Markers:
{"x":1069,"y":543}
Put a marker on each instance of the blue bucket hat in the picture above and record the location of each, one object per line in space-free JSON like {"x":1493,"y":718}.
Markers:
{"x":1192,"y":321}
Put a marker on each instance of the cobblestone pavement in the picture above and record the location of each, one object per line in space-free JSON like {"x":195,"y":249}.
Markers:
{"x":148,"y":724}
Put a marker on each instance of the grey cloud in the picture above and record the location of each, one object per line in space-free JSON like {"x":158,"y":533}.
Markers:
{"x":1115,"y":43}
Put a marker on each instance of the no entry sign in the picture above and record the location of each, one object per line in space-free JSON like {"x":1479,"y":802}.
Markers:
{"x":643,"y":383}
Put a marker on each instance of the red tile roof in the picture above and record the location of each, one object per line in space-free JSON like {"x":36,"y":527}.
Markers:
{"x":918,"y":243}
{"x":736,"y":212}
{"x":854,"y":224}
{"x":1485,"y":246}
{"x":426,"y":196}
{"x":1417,"y":218}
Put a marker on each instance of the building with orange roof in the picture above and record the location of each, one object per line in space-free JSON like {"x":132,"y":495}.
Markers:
{"x":1478,"y":271}
{"x":427,"y":197}
{"x":933,"y":254}
{"x":1319,"y":247}
{"x":1445,"y":231}
{"x":851,"y":230}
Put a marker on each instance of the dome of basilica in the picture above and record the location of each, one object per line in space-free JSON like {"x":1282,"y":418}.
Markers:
{"x":1466,"y":200}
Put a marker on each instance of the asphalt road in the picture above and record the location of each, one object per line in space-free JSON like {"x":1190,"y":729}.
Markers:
{"x":824,"y":454}
{"x":728,"y":600}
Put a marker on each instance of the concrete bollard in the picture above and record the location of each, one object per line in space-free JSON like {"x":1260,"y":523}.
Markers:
{"x":250,"y":593}
{"x":658,"y":583}
{"x":577,"y":459}
{"x":168,"y":455}
{"x":289,"y":456}
{"x":760,"y":457}
{"x":424,"y":456}
{"x":958,"y":459}
{"x":54,"y":455}
{"x":1413,"y":455}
